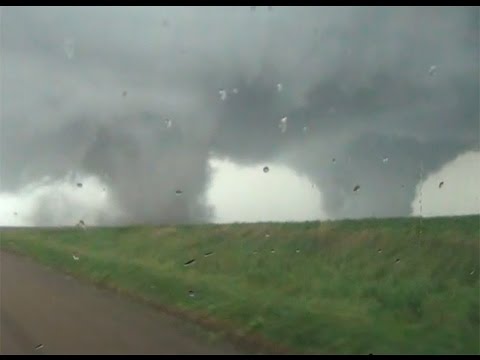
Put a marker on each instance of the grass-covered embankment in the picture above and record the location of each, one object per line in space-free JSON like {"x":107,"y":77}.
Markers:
{"x":363,"y":286}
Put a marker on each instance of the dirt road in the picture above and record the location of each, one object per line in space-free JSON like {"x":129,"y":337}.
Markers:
{"x":44,"y":312}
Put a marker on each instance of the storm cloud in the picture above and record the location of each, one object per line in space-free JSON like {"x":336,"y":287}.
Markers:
{"x":143,"y":97}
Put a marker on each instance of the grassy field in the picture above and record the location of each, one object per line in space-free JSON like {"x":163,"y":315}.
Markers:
{"x":356,"y":287}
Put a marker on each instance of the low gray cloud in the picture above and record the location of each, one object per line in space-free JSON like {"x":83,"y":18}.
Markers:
{"x":91,"y":89}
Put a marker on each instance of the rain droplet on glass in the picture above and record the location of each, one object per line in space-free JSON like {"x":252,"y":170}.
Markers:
{"x":168,"y":123}
{"x":472,"y":272}
{"x":178,"y":192}
{"x":15,"y":213}
{"x":432,"y":70}
{"x":305,"y":129}
{"x":297,"y":251}
{"x":189,"y":262}
{"x":385,"y":160}
{"x":235,"y":91}
{"x":75,"y":256}
{"x":272,"y":251}
{"x":69,"y":48}
{"x":253,"y":8}
{"x":267,"y":235}
{"x":379,"y":251}
{"x":397,"y":260}
{"x":191,"y":293}
{"x":79,"y":185}
{"x":356,"y":188}
{"x":440,"y":185}
{"x":283,"y":124}
{"x":270,"y":8}
{"x":279,"y":87}
{"x":223,"y":94}
{"x":266,"y":169}
{"x":207,"y":254}
{"x":124,"y":93}
{"x":333,"y":160}
{"x":81,"y":224}
{"x":39,"y":346}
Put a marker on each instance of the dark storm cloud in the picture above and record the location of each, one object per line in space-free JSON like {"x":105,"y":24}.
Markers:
{"x":90,"y":89}
{"x":406,"y":87}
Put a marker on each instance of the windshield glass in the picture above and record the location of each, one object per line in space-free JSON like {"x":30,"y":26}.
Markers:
{"x":318,"y":165}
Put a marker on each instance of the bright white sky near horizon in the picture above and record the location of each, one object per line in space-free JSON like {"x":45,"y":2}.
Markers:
{"x":247,"y":194}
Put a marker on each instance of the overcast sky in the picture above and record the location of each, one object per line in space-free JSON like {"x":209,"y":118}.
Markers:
{"x":143,"y":102}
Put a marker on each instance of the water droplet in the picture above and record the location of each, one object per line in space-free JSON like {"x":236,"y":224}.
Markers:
{"x":432,"y":70}
{"x":15,"y":213}
{"x":191,"y":293}
{"x":79,"y":185}
{"x":279,"y":87}
{"x":168,"y":123}
{"x":267,"y":235}
{"x":235,"y":91}
{"x":397,"y":260}
{"x":69,"y":48}
{"x":81,"y":224}
{"x":297,"y":251}
{"x":356,"y":188}
{"x":189,"y":262}
{"x":266,"y":169}
{"x":39,"y":346}
{"x":472,"y":272}
{"x":124,"y":93}
{"x":152,"y":286}
{"x":75,"y":256}
{"x":385,"y":160}
{"x":305,"y":129}
{"x":165,"y":23}
{"x":333,"y":160}
{"x":440,"y":185}
{"x":283,"y":124}
{"x":208,"y":253}
{"x":270,"y":8}
{"x":223,"y":94}
{"x":253,"y":8}
{"x":379,"y":251}
{"x":178,"y":192}
{"x":272,"y":251}
{"x":403,"y":186}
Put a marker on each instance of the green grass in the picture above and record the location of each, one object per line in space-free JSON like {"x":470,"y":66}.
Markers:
{"x":338,"y":294}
